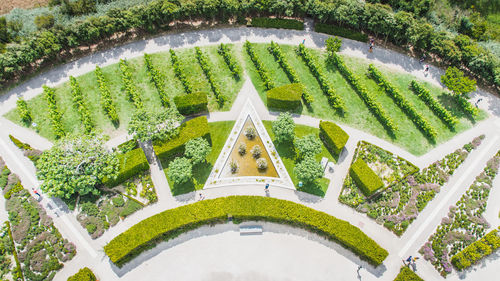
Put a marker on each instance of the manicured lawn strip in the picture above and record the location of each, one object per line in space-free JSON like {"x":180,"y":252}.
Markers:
{"x":477,"y":250}
{"x":406,"y":274}
{"x":288,"y":155}
{"x":173,"y":222}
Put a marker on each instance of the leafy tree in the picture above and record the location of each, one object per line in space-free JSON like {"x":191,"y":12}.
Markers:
{"x":308,"y":146}
{"x":198,"y":150}
{"x":457,"y":82}
{"x":76,"y":165}
{"x":149,"y":126}
{"x":180,"y":170}
{"x":283,"y":127}
{"x":308,"y":169}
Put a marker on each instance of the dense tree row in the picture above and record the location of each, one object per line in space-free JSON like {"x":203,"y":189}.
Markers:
{"x":334,"y":100}
{"x":106,"y":101}
{"x":400,"y":100}
{"x":158,"y":80}
{"x":129,"y":84}
{"x":276,"y":51}
{"x":53,"y":113}
{"x":259,"y":66}
{"x":401,"y":28}
{"x":24,"y":112}
{"x":433,"y":104}
{"x":179,"y":72}
{"x":207,"y":69}
{"x":234,"y":67}
{"x":374,"y":106}
{"x":81,"y":106}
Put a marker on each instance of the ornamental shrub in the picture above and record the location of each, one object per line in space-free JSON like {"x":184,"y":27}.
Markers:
{"x":259,"y":66}
{"x":207,"y":70}
{"x":81,"y":105}
{"x":406,"y":274}
{"x":91,"y":228}
{"x":179,"y":72}
{"x":129,"y":84}
{"x":106,"y":101}
{"x":256,"y":151}
{"x":332,"y":136}
{"x":191,"y":104}
{"x":130,"y":164}
{"x":118,"y":201}
{"x":278,"y":23}
{"x":365,"y":178}
{"x":180,"y":170}
{"x":84,"y":274}
{"x":261,"y":163}
{"x":233,"y":66}
{"x":284,"y":128}
{"x":477,"y":250}
{"x":158,"y":80}
{"x":242,"y":148}
{"x":250,"y":133}
{"x":53,"y":112}
{"x":197,"y":150}
{"x":285,"y":98}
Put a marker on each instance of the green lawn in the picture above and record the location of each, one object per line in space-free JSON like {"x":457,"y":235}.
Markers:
{"x":288,"y":155}
{"x":219,"y":132}
{"x":357,"y":114}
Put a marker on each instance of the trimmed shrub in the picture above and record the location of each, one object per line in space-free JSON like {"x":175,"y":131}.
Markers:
{"x":340,"y":31}
{"x":477,"y":250}
{"x":466,"y":105}
{"x":131,"y":164}
{"x":84,"y":274}
{"x":191,"y":129}
{"x":171,"y":223}
{"x":194,"y":103}
{"x":285,"y":98}
{"x":405,"y":274}
{"x":365,"y":177}
{"x":278,"y":23}
{"x":332,"y":136}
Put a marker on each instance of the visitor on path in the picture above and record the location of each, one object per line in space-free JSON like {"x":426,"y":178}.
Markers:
{"x":266,"y":189}
{"x":201,"y":197}
{"x":477,"y":102}
{"x":407,"y":261}
{"x":36,"y":193}
{"x":303,"y":41}
{"x":371,"y":44}
{"x":426,"y":69}
{"x":357,"y":271}
{"x":423,"y":58}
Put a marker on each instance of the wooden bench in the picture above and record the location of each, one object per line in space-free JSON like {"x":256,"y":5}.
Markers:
{"x":251,"y":229}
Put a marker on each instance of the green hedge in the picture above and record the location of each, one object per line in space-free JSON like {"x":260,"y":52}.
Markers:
{"x":365,"y":177}
{"x":332,"y":136}
{"x":191,"y":129}
{"x":477,"y":250}
{"x":84,"y":274}
{"x":192,"y":103}
{"x":278,"y":23}
{"x":171,"y":223}
{"x":286,"y":97}
{"x":405,"y":274}
{"x":340,"y":31}
{"x":131,"y":164}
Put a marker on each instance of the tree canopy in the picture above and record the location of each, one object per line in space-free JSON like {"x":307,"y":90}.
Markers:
{"x":308,"y":169}
{"x":457,"y":82}
{"x":180,"y":170}
{"x":150,"y":126}
{"x":197,"y":150}
{"x":283,"y":127}
{"x":309,"y":145}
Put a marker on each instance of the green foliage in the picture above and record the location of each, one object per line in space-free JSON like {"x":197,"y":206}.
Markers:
{"x":130,"y":208}
{"x":197,"y":150}
{"x":286,"y":98}
{"x":332,"y":136}
{"x":340,"y":31}
{"x":278,"y":23}
{"x":207,"y":69}
{"x":466,"y":105}
{"x":84,"y":274}
{"x":81,"y":106}
{"x":457,"y":82}
{"x":78,"y":7}
{"x":106,"y":101}
{"x":171,"y":223}
{"x":403,"y":103}
{"x":256,"y":151}
{"x":130,"y":164}
{"x":158,"y":79}
{"x":44,"y":21}
{"x":24,"y":112}
{"x":129,"y":84}
{"x":91,"y":228}
{"x":333,"y":44}
{"x":477,"y":250}
{"x":225,"y":52}
{"x":283,"y":128}
{"x":179,"y":72}
{"x":307,"y":146}
{"x":118,"y":201}
{"x":191,"y":104}
{"x":259,"y":66}
{"x":151,"y":126}
{"x":53,"y":112}
{"x":75,"y":165}
{"x":180,"y":170}
{"x":365,"y":177}
{"x":406,"y":274}
{"x":308,"y":169}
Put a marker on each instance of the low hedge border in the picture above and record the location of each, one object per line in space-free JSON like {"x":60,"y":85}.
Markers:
{"x":477,"y":250}
{"x":340,"y":31}
{"x":365,"y":177}
{"x":194,"y":103}
{"x":332,"y":136}
{"x":278,"y":23}
{"x":171,"y":223}
{"x":130,"y":164}
{"x":285,"y":98}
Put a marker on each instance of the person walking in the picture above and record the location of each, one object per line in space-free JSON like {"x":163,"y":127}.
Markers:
{"x":426,"y":69}
{"x":266,"y":189}
{"x":36,"y":193}
{"x":303,"y":41}
{"x":371,"y":44}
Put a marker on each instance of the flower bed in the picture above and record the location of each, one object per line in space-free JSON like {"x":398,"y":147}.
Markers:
{"x":28,"y":151}
{"x":464,"y":223}
{"x":408,"y":190}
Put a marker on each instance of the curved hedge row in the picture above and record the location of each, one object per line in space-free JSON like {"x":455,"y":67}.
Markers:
{"x":225,"y":52}
{"x":79,"y":103}
{"x":263,"y":73}
{"x":179,"y":72}
{"x":173,"y":222}
{"x":207,"y":69}
{"x":276,"y":51}
{"x":157,"y":79}
{"x":433,"y":104}
{"x":106,"y":101}
{"x":374,"y":106}
{"x":53,"y":112}
{"x":129,"y":85}
{"x":402,"y":102}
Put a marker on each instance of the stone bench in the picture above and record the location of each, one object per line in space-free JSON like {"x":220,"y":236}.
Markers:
{"x":251,"y":229}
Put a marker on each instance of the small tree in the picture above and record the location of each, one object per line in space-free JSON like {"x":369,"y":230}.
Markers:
{"x":308,"y":169}
{"x":180,"y":170}
{"x":261,"y":164}
{"x":309,"y":145}
{"x":457,"y":82}
{"x":250,"y":133}
{"x":149,"y":126}
{"x":256,"y":151}
{"x":198,"y":150}
{"x":283,"y":128}
{"x":242,"y":148}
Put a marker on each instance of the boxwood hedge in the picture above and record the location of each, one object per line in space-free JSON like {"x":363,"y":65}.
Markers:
{"x":332,"y":136}
{"x":192,"y":103}
{"x":171,"y":223}
{"x":405,"y":274}
{"x":365,"y":177}
{"x":278,"y":23}
{"x":131,"y":163}
{"x":286,"y":97}
{"x":340,"y":31}
{"x":84,"y":274}
{"x":477,"y":250}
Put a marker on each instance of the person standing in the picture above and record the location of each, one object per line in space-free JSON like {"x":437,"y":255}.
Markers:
{"x":266,"y":189}
{"x":36,"y":193}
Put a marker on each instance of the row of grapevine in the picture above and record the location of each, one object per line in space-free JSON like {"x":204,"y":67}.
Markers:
{"x":24,"y":113}
{"x":374,"y":106}
{"x":466,"y":105}
{"x":79,"y":103}
{"x":129,"y":85}
{"x":402,"y":102}
{"x":179,"y":72}
{"x":207,"y":69}
{"x":225,"y":52}
{"x":264,"y":74}
{"x":276,"y":51}
{"x":106,"y":101}
{"x":53,"y":112}
{"x":433,"y":104}
{"x":158,"y":80}
{"x":334,"y":99}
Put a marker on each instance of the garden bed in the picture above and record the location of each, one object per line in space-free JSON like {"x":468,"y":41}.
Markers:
{"x":407,"y":190}
{"x":28,"y":151}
